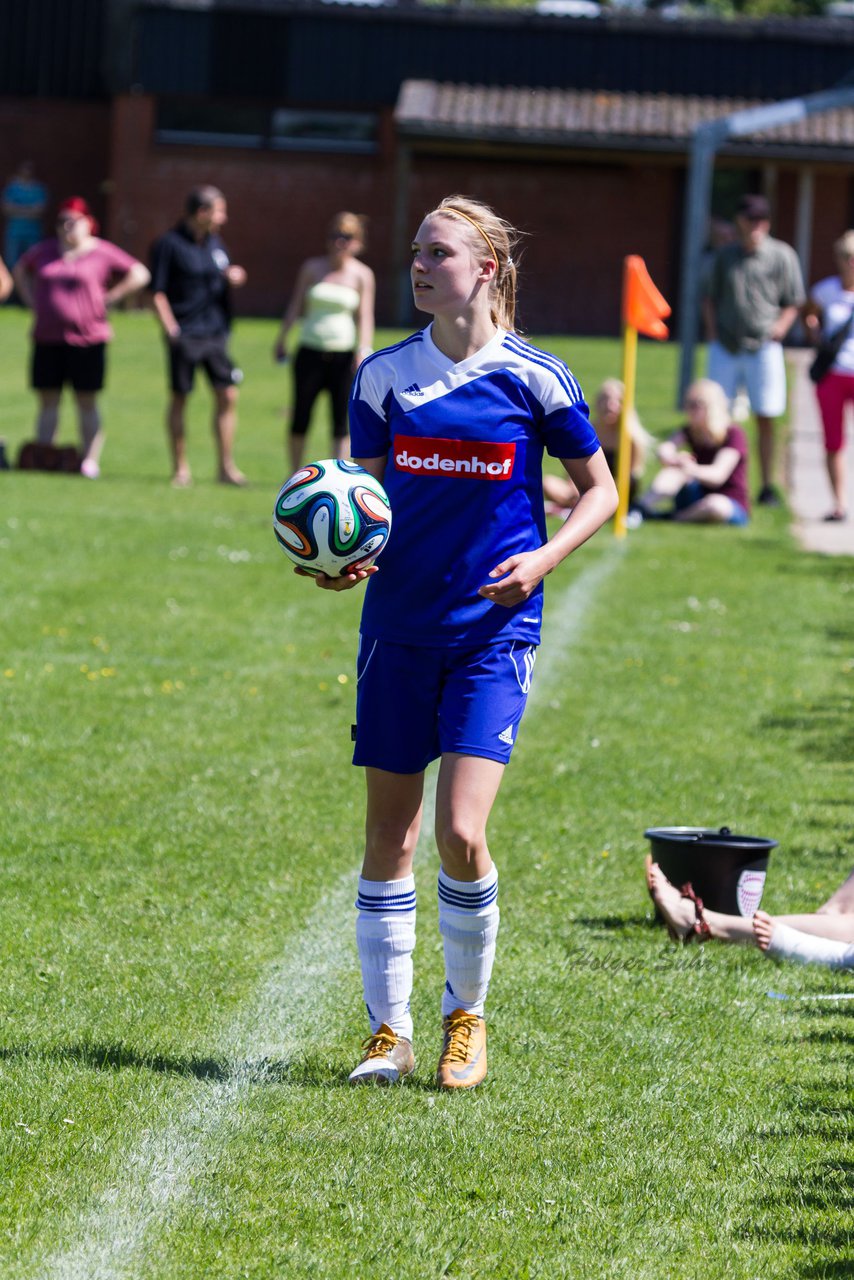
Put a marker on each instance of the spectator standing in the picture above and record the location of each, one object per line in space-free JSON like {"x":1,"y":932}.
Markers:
{"x":334,"y":298}
{"x":752,"y":295}
{"x":828,"y":312}
{"x":191,"y":282}
{"x":24,"y":200}
{"x":6,"y":286}
{"x":69,"y":282}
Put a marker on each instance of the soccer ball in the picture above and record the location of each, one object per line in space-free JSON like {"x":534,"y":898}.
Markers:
{"x":331,"y":517}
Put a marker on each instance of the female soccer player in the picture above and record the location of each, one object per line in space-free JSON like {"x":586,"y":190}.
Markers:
{"x":453,"y":421}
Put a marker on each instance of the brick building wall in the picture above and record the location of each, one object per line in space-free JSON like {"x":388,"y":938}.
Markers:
{"x":68,"y":143}
{"x":574,"y":215}
{"x":581,"y":216}
{"x":279,"y":202}
{"x":580,"y":220}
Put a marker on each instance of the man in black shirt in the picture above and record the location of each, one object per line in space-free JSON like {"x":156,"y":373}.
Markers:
{"x":191,"y":282}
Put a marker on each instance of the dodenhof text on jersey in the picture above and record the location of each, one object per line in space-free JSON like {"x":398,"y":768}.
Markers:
{"x":480,"y":459}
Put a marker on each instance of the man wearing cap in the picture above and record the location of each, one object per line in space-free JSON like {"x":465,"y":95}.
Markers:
{"x":752,"y":295}
{"x":191,"y":282}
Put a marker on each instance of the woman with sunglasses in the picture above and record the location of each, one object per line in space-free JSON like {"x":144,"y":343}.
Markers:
{"x":334,"y":299}
{"x":69,"y":283}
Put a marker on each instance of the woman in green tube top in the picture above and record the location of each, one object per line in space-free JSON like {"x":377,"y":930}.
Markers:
{"x":333,"y":298}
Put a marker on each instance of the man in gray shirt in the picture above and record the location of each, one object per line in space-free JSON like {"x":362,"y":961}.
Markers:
{"x":753,"y":293}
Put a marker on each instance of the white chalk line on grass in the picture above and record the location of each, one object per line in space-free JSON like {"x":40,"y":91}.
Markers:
{"x":298,"y":994}
{"x":295,"y":998}
{"x":568,"y":616}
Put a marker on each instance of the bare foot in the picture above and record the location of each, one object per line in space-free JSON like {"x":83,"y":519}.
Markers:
{"x":763,"y":929}
{"x":230,"y":475}
{"x":679,"y":913}
{"x":182,"y":479}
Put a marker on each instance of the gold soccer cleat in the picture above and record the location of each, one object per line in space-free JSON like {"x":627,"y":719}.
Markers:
{"x":463,"y":1061}
{"x":386,"y":1058}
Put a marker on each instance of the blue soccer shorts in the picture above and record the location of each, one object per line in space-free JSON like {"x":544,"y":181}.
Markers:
{"x":415,"y":703}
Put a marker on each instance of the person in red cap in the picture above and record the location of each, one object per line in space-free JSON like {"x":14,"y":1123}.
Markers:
{"x":752,"y":294}
{"x":69,"y":282}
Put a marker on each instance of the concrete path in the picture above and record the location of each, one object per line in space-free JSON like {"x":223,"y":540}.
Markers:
{"x":807,"y":485}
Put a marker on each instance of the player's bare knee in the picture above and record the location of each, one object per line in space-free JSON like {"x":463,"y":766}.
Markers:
{"x":390,"y":845}
{"x":460,"y":847}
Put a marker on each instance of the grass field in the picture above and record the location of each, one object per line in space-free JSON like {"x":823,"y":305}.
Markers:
{"x":180,"y":835}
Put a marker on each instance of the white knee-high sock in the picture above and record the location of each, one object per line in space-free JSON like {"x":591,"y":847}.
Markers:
{"x":468,"y":922}
{"x":385,"y":934}
{"x":805,"y":948}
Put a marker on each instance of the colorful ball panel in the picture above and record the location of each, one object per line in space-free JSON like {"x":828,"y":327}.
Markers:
{"x":332,"y":516}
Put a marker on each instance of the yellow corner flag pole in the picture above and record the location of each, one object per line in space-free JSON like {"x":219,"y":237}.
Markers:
{"x":643,"y":311}
{"x":624,"y":451}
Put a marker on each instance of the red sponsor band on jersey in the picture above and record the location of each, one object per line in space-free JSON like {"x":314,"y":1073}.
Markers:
{"x":477,"y":459}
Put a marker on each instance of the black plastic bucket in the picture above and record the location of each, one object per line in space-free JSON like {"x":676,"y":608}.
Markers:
{"x":726,"y":870}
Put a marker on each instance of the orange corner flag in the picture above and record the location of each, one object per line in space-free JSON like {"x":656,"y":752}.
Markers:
{"x":644,"y":308}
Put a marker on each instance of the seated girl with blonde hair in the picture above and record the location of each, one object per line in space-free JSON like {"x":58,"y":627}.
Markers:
{"x":703,"y":479}
{"x":560,"y":493}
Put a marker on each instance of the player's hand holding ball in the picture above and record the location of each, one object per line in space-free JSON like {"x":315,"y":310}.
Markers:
{"x":342,"y":583}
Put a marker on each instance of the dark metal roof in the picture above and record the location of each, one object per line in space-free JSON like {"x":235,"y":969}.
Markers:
{"x":53,"y":48}
{"x":354,"y":55}
{"x":570,"y":118}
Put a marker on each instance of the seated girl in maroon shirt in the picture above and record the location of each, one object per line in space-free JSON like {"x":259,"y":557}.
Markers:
{"x":704,"y":464}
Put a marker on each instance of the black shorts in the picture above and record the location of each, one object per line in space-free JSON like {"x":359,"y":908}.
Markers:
{"x":316,"y":371}
{"x":186,"y":353}
{"x":56,"y":363}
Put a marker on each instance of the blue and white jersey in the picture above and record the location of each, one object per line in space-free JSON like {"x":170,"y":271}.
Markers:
{"x":464,"y":447}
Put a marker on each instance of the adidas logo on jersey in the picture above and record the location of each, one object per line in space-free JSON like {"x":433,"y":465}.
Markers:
{"x":414,"y":390}
{"x":506,"y":735}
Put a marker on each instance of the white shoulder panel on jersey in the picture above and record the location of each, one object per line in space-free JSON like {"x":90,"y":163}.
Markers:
{"x":416,"y":372}
{"x":546,"y":376}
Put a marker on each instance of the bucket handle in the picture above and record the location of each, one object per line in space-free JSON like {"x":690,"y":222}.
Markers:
{"x":700,"y":835}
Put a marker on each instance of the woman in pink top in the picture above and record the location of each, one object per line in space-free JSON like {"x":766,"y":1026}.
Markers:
{"x":69,"y":283}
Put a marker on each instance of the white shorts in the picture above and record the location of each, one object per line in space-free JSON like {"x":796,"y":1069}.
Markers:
{"x":762,"y":373}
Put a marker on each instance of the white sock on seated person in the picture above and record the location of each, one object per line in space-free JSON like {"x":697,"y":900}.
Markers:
{"x":805,"y":948}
